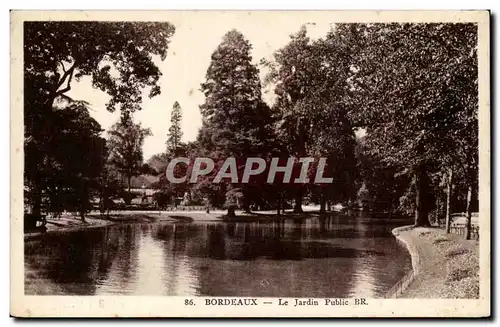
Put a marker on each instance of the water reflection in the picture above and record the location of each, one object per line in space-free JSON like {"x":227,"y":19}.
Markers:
{"x":331,"y":256}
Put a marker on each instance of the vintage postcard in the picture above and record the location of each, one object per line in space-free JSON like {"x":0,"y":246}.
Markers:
{"x":250,"y":164}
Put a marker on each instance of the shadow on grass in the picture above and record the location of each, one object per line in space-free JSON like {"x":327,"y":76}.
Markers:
{"x":257,"y":216}
{"x":128,"y":218}
{"x":184,"y":219}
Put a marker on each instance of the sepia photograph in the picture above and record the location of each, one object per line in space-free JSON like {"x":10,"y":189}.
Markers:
{"x":283,"y":163}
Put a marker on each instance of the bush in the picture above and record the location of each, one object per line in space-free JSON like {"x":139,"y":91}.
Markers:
{"x":162,"y":198}
{"x":468,"y":288}
{"x":456,"y":250}
{"x":458,"y":273}
{"x":440,"y":239}
{"x":129,"y":196}
{"x":195,"y":202}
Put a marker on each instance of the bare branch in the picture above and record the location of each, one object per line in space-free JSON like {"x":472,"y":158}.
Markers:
{"x":68,"y":85}
{"x":67,"y":73}
{"x":63,"y":67}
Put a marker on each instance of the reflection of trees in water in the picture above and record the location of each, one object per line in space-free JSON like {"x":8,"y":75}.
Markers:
{"x":375,"y":273}
{"x":362,"y":284}
{"x":231,"y":228}
{"x":390,"y":268}
{"x":109,"y":256}
{"x":75,"y":261}
{"x":128,"y":252}
{"x":121,"y":258}
{"x":109,"y":250}
{"x":216,"y":242}
{"x":181,"y":233}
{"x":178,"y":240}
{"x":297,"y":229}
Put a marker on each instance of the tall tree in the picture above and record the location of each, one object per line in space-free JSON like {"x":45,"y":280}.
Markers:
{"x":416,"y":87}
{"x":116,"y":55}
{"x":75,"y":160}
{"x":236,"y":121}
{"x":381,"y":187}
{"x":175,"y":132}
{"x":126,"y":139}
{"x":311,"y":106}
{"x":293,"y":73}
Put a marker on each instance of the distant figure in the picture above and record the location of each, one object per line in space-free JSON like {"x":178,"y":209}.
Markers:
{"x":207,"y":205}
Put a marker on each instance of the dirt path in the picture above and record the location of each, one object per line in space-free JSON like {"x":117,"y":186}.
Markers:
{"x":449,"y":265}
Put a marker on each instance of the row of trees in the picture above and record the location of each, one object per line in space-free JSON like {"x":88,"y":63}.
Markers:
{"x":410,"y":88}
{"x":67,"y":162}
{"x":417,"y":96}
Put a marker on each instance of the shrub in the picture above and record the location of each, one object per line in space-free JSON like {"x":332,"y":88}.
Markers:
{"x":456,"y":250}
{"x":129,"y":196}
{"x":458,"y":273}
{"x":469,"y":288}
{"x":161,"y":198}
{"x":440,"y":239}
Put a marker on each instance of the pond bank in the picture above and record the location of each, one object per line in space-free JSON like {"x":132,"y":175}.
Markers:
{"x":69,"y":223}
{"x":94,"y":220}
{"x":446,"y":266}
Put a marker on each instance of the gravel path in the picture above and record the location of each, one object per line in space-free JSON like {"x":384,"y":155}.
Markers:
{"x":449,"y":265}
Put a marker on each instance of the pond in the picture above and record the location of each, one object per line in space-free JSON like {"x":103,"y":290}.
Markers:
{"x":335,"y":256}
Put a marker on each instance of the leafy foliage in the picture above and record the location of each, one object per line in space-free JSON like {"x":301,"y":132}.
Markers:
{"x":73,"y":163}
{"x":311,"y":107}
{"x":117,"y":56}
{"x":236,"y":121}
{"x":125,"y":146}
{"x":175,"y":132}
{"x":416,"y":94}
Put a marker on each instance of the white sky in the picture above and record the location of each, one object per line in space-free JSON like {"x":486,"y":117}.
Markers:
{"x":184,"y":70}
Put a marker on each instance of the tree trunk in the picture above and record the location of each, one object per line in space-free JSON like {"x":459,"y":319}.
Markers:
{"x":436,"y":212}
{"x":246,"y":199}
{"x":469,"y":212}
{"x":297,"y":207}
{"x":129,"y":180}
{"x":83,"y":209}
{"x":84,"y":201}
{"x":231,"y":212}
{"x":82,"y":214}
{"x":278,"y":205}
{"x":37,"y":201}
{"x":448,"y":200}
{"x":421,"y":205}
{"x":36,"y":183}
{"x":301,"y":151}
{"x":101,"y":203}
{"x":322,"y":202}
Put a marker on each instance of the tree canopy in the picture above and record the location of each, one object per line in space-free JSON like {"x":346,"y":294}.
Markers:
{"x":117,"y":56}
{"x":174,"y":139}
{"x":125,"y":142}
{"x":416,"y":95}
{"x":236,"y":121}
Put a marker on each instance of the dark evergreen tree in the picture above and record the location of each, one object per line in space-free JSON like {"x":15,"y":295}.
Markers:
{"x":174,"y":140}
{"x":236,"y":122}
{"x":126,"y":139}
